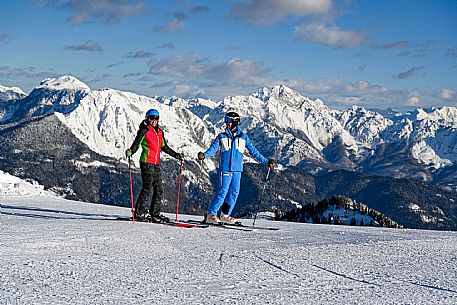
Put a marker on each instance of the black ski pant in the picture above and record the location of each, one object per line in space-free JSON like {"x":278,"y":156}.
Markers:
{"x":151,"y":192}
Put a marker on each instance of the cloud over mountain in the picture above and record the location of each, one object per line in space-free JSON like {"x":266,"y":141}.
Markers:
{"x":7,"y":73}
{"x":204,"y":72}
{"x":447,"y":94}
{"x":328,"y":35}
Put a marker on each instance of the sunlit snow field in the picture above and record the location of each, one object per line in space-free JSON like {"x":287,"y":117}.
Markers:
{"x":55,"y":251}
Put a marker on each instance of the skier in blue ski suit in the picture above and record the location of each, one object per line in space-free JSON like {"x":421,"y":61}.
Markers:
{"x":231,"y":143}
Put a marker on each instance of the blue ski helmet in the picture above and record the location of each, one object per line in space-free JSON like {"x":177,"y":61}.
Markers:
{"x":152,"y":112}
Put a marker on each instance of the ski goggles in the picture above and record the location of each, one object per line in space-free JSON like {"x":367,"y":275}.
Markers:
{"x":153,"y":118}
{"x":230,"y":120}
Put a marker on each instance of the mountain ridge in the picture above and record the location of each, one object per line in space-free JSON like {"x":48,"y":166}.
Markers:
{"x":283,"y":123}
{"x":303,"y":135}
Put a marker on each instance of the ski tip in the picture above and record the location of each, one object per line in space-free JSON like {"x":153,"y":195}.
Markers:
{"x":183,"y":225}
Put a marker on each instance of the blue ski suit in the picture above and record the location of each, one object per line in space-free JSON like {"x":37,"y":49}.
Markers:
{"x":231,"y":146}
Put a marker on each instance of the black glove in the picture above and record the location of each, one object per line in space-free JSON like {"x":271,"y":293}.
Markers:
{"x":201,"y":156}
{"x":128,"y":153}
{"x":271,"y":163}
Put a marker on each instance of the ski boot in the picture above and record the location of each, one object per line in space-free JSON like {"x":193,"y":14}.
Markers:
{"x":143,"y":217}
{"x":160,"y":219}
{"x":212,"y":220}
{"x":227,"y":219}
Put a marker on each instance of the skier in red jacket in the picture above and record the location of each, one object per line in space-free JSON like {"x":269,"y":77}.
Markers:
{"x":152,"y":141}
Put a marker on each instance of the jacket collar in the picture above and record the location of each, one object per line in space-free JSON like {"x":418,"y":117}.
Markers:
{"x":156,"y":129}
{"x":234,"y":134}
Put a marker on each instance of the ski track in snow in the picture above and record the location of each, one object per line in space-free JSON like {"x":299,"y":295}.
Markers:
{"x":55,"y":251}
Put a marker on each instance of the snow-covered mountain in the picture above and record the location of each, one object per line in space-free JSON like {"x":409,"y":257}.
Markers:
{"x":13,"y":93}
{"x":304,"y":132}
{"x":282,"y":123}
{"x":7,"y":96}
{"x":81,"y":134}
{"x":107,"y":120}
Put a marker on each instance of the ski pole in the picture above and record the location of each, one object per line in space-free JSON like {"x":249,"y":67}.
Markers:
{"x":179,"y":189}
{"x":261,"y":196}
{"x":131,"y":191}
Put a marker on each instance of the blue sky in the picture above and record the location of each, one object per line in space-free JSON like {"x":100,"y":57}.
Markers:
{"x":377,"y":54}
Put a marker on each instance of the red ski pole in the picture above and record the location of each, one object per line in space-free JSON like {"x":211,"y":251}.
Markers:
{"x":179,"y":190}
{"x":131,"y":191}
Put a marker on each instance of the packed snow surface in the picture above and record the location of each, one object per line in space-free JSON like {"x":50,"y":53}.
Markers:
{"x":56,"y":251}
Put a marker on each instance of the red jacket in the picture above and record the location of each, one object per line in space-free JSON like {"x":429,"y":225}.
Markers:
{"x":152,"y":142}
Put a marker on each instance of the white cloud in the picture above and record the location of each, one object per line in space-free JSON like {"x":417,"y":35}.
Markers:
{"x":328,"y":35}
{"x":264,"y":12}
{"x":411,"y":72}
{"x":188,"y":90}
{"x":8,"y":73}
{"x":170,"y":26}
{"x":110,"y":11}
{"x":447,"y":94}
{"x":167,"y":45}
{"x":393,"y":45}
{"x":358,"y":86}
{"x":201,"y":75}
{"x":414,"y":99}
{"x":238,"y":71}
{"x":202,"y":70}
{"x":191,"y":74}
{"x":139,"y":54}
{"x":190,"y":66}
{"x":89,"y":45}
{"x":419,"y":50}
{"x":340,"y":93}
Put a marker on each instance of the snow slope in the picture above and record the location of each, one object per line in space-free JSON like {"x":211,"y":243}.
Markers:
{"x":12,"y":186}
{"x":56,"y":251}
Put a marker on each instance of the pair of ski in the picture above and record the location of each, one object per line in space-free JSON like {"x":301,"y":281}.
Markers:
{"x":198,"y":224}
{"x":236,"y":226}
{"x":169,"y":223}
